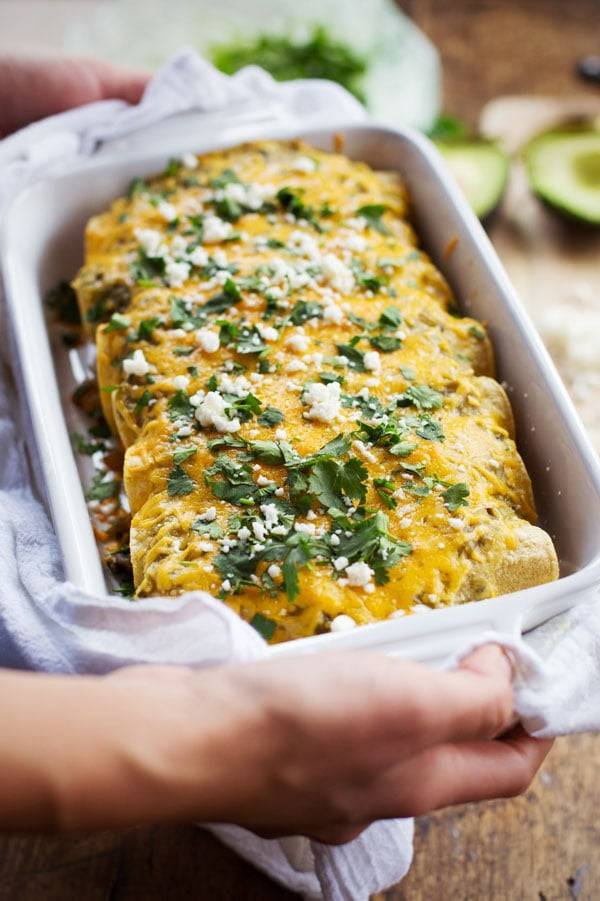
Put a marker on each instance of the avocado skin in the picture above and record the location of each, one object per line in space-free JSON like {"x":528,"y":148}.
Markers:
{"x":544,"y":185}
{"x":469,"y":159}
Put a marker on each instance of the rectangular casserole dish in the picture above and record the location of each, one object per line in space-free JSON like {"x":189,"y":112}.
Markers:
{"x":41,"y":242}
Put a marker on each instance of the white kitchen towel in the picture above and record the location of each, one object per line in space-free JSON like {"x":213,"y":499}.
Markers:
{"x":51,"y":625}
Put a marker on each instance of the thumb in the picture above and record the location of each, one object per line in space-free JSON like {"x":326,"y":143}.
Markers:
{"x":472,"y":702}
{"x":488,"y":660}
{"x":118,"y":82}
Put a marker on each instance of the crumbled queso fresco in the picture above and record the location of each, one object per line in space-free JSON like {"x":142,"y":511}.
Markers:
{"x":295,"y":392}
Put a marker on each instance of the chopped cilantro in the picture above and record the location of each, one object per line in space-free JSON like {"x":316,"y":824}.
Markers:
{"x":146,"y":328}
{"x":228,"y":209}
{"x":385,"y":490}
{"x":270,"y":417}
{"x":125,"y":589}
{"x":292,"y":203}
{"x":102,"y":488}
{"x":373,"y":212}
{"x":143,"y":401}
{"x":356,"y":359}
{"x":371,"y":542}
{"x":385,"y":343}
{"x":179,"y":406}
{"x":422,"y":397}
{"x":305,"y":309}
{"x":328,"y":377}
{"x":146,"y":269}
{"x":315,"y":55}
{"x":179,"y":483}
{"x":180,"y":312}
{"x":456,"y":496}
{"x":390,"y":318}
{"x":183,"y":453}
{"x":246,"y":407}
{"x":227,"y":177}
{"x":249,"y":341}
{"x":117,"y":322}
{"x":430,"y":430}
{"x":210,"y":529}
{"x":263,"y":625}
{"x":172,"y":167}
{"x":366,"y":279}
{"x":136,"y":186}
{"x":228,"y":297}
{"x":86,"y":447}
{"x":331,"y":481}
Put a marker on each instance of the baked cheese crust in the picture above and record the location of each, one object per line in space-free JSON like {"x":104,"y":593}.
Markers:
{"x":313,"y":433}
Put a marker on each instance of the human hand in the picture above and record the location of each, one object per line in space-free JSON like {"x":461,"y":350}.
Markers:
{"x":31,"y":89}
{"x":355,"y":738}
{"x":320,"y":745}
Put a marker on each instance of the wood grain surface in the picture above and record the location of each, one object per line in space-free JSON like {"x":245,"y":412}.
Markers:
{"x":540,"y":847}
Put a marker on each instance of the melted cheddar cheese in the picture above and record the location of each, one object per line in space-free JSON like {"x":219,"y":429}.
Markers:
{"x":312,"y":432}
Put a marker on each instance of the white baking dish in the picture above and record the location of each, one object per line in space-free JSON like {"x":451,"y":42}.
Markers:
{"x":41,"y":242}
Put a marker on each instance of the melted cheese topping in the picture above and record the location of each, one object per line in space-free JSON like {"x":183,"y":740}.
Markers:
{"x":312,"y":433}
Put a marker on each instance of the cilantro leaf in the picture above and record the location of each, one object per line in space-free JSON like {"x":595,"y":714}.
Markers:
{"x":210,"y":529}
{"x":477,"y":332}
{"x":180,"y":312}
{"x":456,"y":496}
{"x":371,"y":542}
{"x":373,"y":212}
{"x":179,"y":406}
{"x":86,"y":447}
{"x":270,"y":417}
{"x":183,"y":453}
{"x":292,"y":203}
{"x":337,"y":446}
{"x":263,"y":625}
{"x":305,"y":309}
{"x":356,"y":359}
{"x":366,"y":279}
{"x":172,"y":167}
{"x":247,"y":407}
{"x":228,"y":297}
{"x":330,"y":481}
{"x":422,"y":397}
{"x":385,"y":343}
{"x":146,"y":268}
{"x":430,"y":430}
{"x":385,"y":490}
{"x":390,"y":318}
{"x":146,"y":328}
{"x":102,"y":489}
{"x":142,"y":401}
{"x":117,"y":322}
{"x":249,"y":341}
{"x":179,"y":483}
{"x":136,"y":186}
{"x":228,"y":209}
{"x":227,"y":177}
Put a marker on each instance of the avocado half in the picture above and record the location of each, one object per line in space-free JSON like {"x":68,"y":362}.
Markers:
{"x":481,"y":169}
{"x":563,"y":167}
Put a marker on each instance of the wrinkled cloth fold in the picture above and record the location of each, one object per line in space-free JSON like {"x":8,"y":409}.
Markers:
{"x":48,"y":624}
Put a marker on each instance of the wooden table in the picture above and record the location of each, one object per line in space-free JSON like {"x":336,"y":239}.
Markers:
{"x":542,"y":846}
